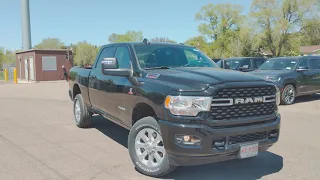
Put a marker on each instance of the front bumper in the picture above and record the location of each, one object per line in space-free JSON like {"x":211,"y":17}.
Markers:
{"x":207,"y":152}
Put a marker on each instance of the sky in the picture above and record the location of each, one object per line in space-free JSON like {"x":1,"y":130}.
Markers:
{"x":76,"y":20}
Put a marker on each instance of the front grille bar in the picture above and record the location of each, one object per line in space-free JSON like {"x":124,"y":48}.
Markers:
{"x":248,"y":100}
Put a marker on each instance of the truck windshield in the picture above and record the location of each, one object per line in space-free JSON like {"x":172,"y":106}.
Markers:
{"x":156,"y":56}
{"x":279,"y":64}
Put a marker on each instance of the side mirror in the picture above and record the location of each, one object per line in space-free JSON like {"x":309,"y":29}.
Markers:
{"x":302,"y":68}
{"x":109,"y":66}
{"x":244,"y":68}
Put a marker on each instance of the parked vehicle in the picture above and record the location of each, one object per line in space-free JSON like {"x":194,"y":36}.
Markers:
{"x":180,"y":107}
{"x":244,"y":64}
{"x":294,"y":76}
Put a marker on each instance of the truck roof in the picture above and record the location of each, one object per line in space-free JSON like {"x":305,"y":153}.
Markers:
{"x":151,"y":43}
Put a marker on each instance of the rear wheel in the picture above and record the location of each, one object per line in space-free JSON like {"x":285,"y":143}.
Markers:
{"x":82,"y":115}
{"x":288,"y":95}
{"x":147,"y":152}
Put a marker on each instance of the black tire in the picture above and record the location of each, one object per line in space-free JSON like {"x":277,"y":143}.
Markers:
{"x":164,"y":167}
{"x":287,"y":88}
{"x":84,"y":120}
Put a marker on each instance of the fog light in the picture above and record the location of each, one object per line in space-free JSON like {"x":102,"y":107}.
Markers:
{"x":188,"y":140}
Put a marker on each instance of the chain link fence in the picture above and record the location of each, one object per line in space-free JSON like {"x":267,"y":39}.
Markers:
{"x":10,"y":68}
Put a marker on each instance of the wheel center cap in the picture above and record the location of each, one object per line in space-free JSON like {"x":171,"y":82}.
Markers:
{"x":149,"y":147}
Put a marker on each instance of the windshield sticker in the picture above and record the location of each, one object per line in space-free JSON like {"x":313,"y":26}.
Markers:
{"x":288,"y":68}
{"x":293,"y":62}
{"x":152,"y":75}
{"x":195,"y":49}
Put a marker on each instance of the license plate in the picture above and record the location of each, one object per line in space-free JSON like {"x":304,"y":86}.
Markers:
{"x":248,"y":150}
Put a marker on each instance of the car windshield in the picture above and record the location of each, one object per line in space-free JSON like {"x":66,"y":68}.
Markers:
{"x":234,"y":63}
{"x":279,"y":64}
{"x":167,"y":56}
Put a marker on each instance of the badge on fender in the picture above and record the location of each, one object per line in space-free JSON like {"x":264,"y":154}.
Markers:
{"x":152,"y":75}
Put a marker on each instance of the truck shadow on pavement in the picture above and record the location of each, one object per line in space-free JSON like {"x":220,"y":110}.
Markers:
{"x":248,"y":169}
{"x":307,"y":98}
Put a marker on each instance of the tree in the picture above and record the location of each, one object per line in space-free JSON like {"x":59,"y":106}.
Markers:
{"x":129,"y":36}
{"x":162,"y":39}
{"x":200,"y":43}
{"x":220,"y":24}
{"x":278,"y":20}
{"x":85,"y":54}
{"x":50,"y":43}
{"x":311,"y":32}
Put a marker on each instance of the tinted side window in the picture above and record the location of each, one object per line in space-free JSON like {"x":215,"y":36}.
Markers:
{"x":246,"y":63}
{"x":314,"y":63}
{"x":123,"y":57}
{"x":258,"y":62}
{"x":304,"y":63}
{"x":106,"y":53}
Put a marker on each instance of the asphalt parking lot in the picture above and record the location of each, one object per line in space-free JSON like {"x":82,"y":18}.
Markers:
{"x":38,"y":140}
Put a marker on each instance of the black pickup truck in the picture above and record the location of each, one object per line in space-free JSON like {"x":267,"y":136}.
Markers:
{"x":180,"y":107}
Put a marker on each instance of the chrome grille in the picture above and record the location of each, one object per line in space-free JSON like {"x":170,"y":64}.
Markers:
{"x":224,"y":108}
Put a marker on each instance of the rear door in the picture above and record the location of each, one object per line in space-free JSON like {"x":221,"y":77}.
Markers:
{"x":314,"y":63}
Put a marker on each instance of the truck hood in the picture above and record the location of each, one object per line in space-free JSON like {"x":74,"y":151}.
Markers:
{"x":197,"y":78}
{"x":275,"y":73}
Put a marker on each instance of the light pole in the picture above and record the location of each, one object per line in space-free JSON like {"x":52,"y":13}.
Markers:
{"x":25,"y":25}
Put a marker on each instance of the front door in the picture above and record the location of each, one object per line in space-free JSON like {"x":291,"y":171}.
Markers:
{"x":99,"y":84}
{"x":303,"y":80}
{"x":26,"y":69}
{"x":31,"y":65}
{"x":121,"y":89}
{"x":314,"y":63}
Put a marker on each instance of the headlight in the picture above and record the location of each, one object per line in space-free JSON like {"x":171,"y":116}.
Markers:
{"x":278,"y":96}
{"x":187,"y":105}
{"x":272,"y":78}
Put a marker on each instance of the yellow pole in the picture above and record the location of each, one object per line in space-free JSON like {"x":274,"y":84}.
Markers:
{"x":15,"y":75}
{"x":5,"y":74}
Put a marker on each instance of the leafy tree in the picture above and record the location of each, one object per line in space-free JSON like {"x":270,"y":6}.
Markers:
{"x":201,"y":43}
{"x":220,"y":24}
{"x":85,"y":54}
{"x":311,"y":32}
{"x":129,"y":36}
{"x":162,"y":39}
{"x":279,"y":19}
{"x":50,"y":43}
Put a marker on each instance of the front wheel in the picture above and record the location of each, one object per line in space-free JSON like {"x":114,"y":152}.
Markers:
{"x":146,"y":148}
{"x":288,"y":95}
{"x":82,"y":115}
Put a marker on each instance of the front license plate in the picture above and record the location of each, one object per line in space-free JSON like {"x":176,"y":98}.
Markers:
{"x":248,"y":150}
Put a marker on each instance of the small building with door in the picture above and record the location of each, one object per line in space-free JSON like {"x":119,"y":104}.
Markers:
{"x":43,"y":64}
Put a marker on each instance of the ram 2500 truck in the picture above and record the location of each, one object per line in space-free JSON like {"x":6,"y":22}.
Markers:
{"x":180,"y":107}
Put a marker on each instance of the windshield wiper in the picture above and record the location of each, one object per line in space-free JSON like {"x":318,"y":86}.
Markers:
{"x":160,"y":67}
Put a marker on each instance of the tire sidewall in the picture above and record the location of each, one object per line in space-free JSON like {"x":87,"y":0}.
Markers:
{"x":147,"y":122}
{"x":283,"y":95}
{"x":77,"y":98}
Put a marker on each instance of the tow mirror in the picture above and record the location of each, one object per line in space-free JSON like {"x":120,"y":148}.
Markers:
{"x":109,"y":66}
